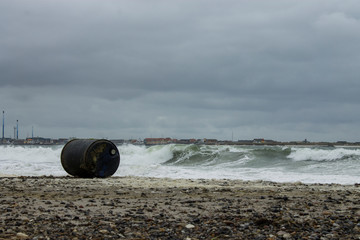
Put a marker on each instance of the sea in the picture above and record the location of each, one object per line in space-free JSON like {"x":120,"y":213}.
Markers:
{"x":306,"y":164}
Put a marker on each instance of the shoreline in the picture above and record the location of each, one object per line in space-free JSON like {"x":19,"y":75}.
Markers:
{"x":253,"y":181}
{"x":162,"y":208}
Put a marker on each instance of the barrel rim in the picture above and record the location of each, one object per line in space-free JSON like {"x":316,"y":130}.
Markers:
{"x":66,"y":145}
{"x":102,"y":140}
{"x":94,"y":142}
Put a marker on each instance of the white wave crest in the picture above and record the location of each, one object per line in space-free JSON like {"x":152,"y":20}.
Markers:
{"x":313,"y":154}
{"x":25,"y":160}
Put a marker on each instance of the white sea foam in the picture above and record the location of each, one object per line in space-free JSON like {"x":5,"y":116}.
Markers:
{"x":30,"y":161}
{"x":142,"y":161}
{"x":321,"y":154}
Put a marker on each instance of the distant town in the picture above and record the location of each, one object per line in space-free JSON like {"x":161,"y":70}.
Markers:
{"x":164,"y":141}
{"x":159,"y":141}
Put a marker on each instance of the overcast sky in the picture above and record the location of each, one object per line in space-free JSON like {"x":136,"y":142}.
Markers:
{"x":280,"y":69}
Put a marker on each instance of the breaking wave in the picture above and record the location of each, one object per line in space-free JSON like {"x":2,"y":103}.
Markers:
{"x":273,"y":163}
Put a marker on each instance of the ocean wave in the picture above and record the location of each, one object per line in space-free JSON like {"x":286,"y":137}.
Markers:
{"x":31,"y":160}
{"x":271,"y":163}
{"x":324,"y":155}
{"x":204,"y":155}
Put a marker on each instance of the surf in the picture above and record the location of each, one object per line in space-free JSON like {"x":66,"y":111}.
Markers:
{"x":270,"y":163}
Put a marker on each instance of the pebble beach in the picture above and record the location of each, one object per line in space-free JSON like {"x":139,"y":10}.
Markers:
{"x":49,"y":207}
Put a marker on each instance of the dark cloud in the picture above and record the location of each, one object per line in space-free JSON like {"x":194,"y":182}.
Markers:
{"x":284,"y":70}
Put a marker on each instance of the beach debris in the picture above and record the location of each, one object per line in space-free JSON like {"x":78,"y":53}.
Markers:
{"x":89,"y":158}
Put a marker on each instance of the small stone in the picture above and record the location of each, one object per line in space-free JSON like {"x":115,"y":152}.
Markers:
{"x":336,"y":225}
{"x":326,"y":213}
{"x":245,"y":225}
{"x":287,"y":236}
{"x":189,"y":226}
{"x":22,"y":235}
{"x":104,"y":231}
{"x":284,"y":234}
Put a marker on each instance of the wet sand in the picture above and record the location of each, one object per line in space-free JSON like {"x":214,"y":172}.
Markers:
{"x":151,"y":208}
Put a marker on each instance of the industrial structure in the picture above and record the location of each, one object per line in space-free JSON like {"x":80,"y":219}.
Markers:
{"x":3,"y":126}
{"x":8,"y":140}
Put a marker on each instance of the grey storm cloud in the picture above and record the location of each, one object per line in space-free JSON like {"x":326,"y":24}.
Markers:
{"x":285,"y":70}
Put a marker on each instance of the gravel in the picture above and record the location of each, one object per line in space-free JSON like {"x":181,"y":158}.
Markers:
{"x":158,"y":208}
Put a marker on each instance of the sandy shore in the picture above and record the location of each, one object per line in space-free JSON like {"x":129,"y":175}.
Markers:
{"x":150,"y":208}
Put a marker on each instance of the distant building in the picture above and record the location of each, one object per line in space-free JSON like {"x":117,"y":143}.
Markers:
{"x":270,"y":142}
{"x":118,"y":141}
{"x":60,"y":141}
{"x":258,"y":140}
{"x":210,"y":141}
{"x":157,"y":141}
{"x":186,"y":141}
{"x":38,"y":141}
{"x":5,"y":141}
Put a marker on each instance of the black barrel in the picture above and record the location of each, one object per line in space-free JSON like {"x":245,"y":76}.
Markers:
{"x":90,"y":158}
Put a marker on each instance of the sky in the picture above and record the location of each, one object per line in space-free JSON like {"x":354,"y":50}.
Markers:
{"x":284,"y":70}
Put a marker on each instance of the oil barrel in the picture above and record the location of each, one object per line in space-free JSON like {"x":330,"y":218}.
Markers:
{"x":89,"y":158}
